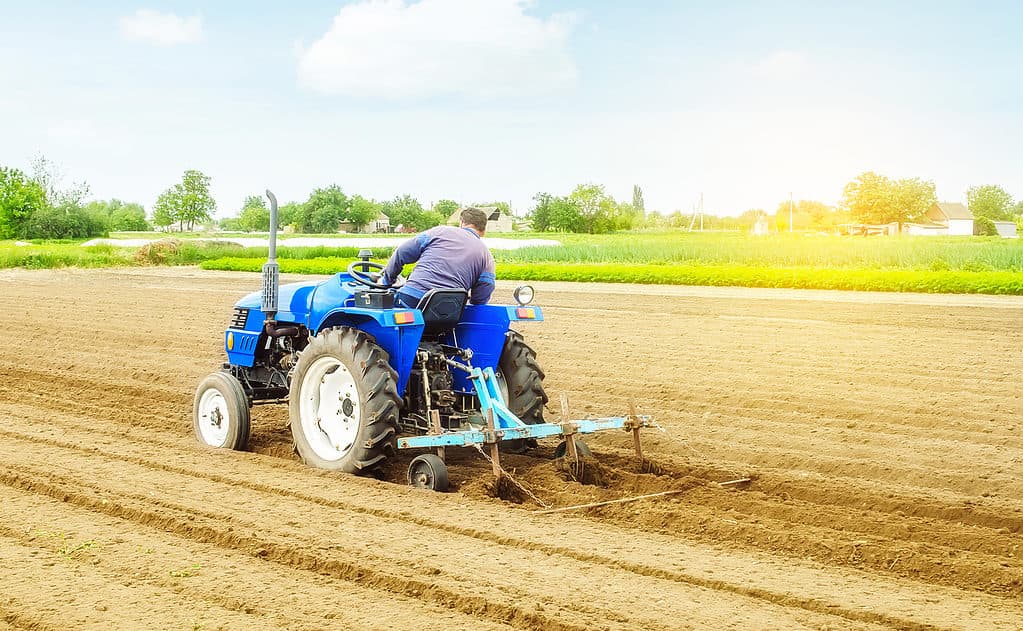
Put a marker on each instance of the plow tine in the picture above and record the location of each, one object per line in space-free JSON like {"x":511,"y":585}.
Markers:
{"x":636,"y":424}
{"x":495,"y":453}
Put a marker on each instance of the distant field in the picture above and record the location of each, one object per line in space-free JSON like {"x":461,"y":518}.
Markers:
{"x":922,"y":264}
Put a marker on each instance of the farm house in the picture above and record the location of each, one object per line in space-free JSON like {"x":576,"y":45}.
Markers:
{"x":957,"y":219}
{"x":497,"y":221}
{"x":381,"y":224}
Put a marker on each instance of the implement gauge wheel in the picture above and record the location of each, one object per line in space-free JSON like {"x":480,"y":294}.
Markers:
{"x":428,"y":471}
{"x":344,"y":402}
{"x":220,"y":412}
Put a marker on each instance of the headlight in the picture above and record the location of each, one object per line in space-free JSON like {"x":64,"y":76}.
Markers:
{"x":523,"y":294}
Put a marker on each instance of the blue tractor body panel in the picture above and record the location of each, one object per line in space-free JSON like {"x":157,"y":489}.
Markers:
{"x":318,"y":305}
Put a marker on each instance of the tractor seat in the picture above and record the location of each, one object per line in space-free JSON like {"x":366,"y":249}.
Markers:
{"x":442,"y":309}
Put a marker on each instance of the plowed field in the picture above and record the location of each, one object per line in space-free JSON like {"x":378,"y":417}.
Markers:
{"x":882,"y":434}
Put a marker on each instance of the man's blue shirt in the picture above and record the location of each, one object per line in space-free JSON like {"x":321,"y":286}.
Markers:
{"x":445,"y":257}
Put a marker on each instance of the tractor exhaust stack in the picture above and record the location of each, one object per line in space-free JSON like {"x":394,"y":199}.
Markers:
{"x":271,"y":271}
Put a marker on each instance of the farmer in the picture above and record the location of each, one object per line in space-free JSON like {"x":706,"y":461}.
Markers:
{"x":446,"y":258}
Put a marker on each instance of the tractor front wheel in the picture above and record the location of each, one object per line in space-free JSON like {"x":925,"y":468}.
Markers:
{"x":344,"y":402}
{"x":220,"y":412}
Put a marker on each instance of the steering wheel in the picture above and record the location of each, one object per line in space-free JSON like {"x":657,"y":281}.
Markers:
{"x":359,"y":271}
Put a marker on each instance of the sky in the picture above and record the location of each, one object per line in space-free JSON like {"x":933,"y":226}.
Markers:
{"x":497,"y":100}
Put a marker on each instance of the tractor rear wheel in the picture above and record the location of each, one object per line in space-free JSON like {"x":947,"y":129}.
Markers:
{"x":344,"y":402}
{"x":523,"y":378}
{"x":220,"y":412}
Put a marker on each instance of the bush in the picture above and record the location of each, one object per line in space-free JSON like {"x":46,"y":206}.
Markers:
{"x":63,"y":223}
{"x":984,"y":227}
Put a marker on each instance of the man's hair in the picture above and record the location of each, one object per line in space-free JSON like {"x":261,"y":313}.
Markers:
{"x":474,"y":217}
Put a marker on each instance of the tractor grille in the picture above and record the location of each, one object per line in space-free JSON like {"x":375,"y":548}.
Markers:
{"x":239,"y":318}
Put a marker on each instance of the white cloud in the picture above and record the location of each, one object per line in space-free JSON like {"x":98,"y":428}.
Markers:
{"x":783,"y":64}
{"x":162,"y":29}
{"x":477,"y":48}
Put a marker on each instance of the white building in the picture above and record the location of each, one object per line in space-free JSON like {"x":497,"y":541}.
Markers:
{"x":954,"y":216}
{"x":1006,"y":229}
{"x":497,"y":221}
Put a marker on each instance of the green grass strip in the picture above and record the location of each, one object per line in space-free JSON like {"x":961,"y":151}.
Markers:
{"x":919,"y":281}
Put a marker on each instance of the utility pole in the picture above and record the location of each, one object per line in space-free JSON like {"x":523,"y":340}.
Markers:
{"x":701,"y":212}
{"x":790,"y":211}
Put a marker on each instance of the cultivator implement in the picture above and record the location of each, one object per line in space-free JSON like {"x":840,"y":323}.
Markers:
{"x":503,"y":426}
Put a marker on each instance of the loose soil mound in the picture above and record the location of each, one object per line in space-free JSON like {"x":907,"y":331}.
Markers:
{"x":882,"y":433}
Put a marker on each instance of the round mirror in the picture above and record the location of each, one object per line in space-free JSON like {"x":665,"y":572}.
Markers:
{"x":523,"y":294}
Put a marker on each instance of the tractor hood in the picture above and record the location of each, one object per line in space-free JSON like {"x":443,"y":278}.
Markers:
{"x":293,"y":301}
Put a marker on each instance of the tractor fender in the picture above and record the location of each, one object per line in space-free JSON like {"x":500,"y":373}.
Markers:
{"x":399,"y":341}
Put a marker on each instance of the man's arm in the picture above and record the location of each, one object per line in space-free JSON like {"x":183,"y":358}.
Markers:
{"x":485,"y":284}
{"x":407,"y":252}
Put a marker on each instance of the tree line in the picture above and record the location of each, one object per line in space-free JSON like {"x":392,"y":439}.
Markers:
{"x":329,"y":209}
{"x":588,"y":208}
{"x":39,"y":206}
{"x":870,"y":198}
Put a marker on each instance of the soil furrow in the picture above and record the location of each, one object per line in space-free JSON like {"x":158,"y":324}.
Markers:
{"x":881,"y":430}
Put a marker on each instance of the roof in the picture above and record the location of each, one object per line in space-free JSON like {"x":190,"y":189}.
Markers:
{"x":954,"y":210}
{"x":493,"y":213}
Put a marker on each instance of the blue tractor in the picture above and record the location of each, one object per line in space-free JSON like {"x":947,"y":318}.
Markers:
{"x":362,"y":377}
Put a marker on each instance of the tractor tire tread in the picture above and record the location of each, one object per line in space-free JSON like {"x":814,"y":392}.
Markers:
{"x":524,"y":377}
{"x":378,"y":390}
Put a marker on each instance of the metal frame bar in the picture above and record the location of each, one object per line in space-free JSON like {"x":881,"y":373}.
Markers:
{"x":507,"y":426}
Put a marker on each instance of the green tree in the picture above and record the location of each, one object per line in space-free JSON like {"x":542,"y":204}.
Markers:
{"x":749,"y":218}
{"x":230,"y":224}
{"x":49,"y":177}
{"x":404,"y":211}
{"x":119,"y":216}
{"x":428,"y":219}
{"x":361,"y":211}
{"x":289,"y":214}
{"x":990,"y":201}
{"x":877,"y":199}
{"x":254,"y":216}
{"x":324,"y":211}
{"x":504,"y":207}
{"x":807,"y":214}
{"x":130,"y":217}
{"x":165,"y":209}
{"x":540,"y":215}
{"x":637,"y":199}
{"x":596,"y":208}
{"x":20,"y":198}
{"x":197,"y":204}
{"x":63,"y":215}
{"x":984,"y":227}
{"x":446,"y":207}
{"x":565,"y":215}
{"x":188,"y":202}
{"x":626,"y":217}
{"x":655,"y":220}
